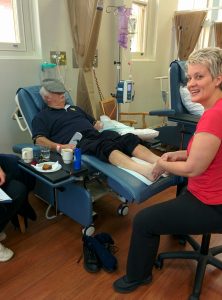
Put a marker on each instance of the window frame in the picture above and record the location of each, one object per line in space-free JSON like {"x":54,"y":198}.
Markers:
{"x":150,"y":32}
{"x":29,"y":32}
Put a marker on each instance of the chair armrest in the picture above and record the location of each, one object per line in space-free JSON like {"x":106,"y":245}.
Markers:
{"x":185,"y":118}
{"x":162,"y":112}
{"x":135,"y":113}
{"x":142,"y":114}
{"x":18,"y":117}
{"x":130,"y":122}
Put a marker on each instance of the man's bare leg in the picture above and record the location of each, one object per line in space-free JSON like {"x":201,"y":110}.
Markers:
{"x":117,"y":158}
{"x":145,"y":154}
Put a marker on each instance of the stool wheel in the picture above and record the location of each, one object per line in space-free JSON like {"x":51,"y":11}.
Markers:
{"x":158,"y":264}
{"x":123,"y":210}
{"x":181,"y":239}
{"x":89,"y":230}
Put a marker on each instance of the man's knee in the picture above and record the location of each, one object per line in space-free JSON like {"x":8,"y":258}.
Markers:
{"x":113,"y":155}
{"x":136,"y":150}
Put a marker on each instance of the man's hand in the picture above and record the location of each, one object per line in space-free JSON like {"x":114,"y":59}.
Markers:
{"x":98,"y":125}
{"x":2,"y":177}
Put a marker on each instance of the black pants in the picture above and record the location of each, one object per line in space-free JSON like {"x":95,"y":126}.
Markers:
{"x":182,"y":215}
{"x":17,"y":186}
{"x":18,"y":192}
{"x":101,"y":144}
{"x":9,"y":164}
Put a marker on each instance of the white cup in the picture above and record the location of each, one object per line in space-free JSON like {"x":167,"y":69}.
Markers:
{"x":27,"y":154}
{"x":67,"y":155}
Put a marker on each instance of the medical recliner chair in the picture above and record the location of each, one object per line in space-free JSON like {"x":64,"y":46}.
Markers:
{"x":76,"y":200}
{"x":177,"y":135}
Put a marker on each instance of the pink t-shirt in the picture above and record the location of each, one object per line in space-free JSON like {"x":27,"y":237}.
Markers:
{"x":207,"y":187}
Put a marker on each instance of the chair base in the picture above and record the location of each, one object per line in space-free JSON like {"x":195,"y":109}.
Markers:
{"x":202,"y":254}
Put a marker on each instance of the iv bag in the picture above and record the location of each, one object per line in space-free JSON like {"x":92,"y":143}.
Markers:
{"x":124,"y":14}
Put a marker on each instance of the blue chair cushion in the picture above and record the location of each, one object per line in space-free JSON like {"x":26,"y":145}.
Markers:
{"x":17,"y":148}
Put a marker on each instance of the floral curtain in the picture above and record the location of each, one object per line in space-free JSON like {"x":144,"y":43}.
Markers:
{"x":85,"y":19}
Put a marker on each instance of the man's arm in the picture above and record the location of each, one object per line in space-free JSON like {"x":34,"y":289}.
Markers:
{"x":43,"y":141}
{"x":98,"y":125}
{"x":41,"y":130}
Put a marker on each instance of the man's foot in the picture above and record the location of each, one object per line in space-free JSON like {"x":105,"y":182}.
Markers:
{"x":2,"y":236}
{"x":146,"y":169}
{"x":123,"y":285}
{"x":152,"y":176}
{"x":5,"y":253}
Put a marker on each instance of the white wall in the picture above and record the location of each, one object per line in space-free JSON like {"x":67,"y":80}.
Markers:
{"x":107,"y":52}
{"x":56,"y":36}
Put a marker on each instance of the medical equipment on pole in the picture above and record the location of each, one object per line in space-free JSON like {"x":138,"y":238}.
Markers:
{"x":125,"y":91}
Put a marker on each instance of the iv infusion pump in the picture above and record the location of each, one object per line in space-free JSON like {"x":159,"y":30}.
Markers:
{"x":124,"y":91}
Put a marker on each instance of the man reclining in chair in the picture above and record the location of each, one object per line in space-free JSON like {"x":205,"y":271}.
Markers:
{"x":55,"y":125}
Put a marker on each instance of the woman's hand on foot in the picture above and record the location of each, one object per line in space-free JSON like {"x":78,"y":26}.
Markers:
{"x":157,"y":171}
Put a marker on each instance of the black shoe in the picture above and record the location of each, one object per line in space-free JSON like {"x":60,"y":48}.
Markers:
{"x":91,"y":262}
{"x":123,"y":285}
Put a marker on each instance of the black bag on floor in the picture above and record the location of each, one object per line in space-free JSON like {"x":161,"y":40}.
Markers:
{"x":101,"y":244}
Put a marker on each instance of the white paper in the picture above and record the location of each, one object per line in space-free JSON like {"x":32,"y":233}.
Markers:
{"x":4,"y":196}
{"x":55,"y":167}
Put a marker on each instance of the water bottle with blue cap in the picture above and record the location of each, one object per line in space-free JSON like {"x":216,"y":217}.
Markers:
{"x":77,"y":159}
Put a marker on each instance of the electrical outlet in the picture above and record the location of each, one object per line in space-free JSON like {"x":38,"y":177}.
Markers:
{"x":58,"y":57}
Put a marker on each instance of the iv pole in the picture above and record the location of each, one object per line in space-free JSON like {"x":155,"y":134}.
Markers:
{"x":116,"y":11}
{"x":164,"y":94}
{"x":118,"y":64}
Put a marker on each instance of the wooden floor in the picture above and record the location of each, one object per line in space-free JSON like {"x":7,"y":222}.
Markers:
{"x":45,"y":265}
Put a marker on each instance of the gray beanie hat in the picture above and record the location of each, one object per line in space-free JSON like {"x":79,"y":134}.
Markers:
{"x":54,"y":86}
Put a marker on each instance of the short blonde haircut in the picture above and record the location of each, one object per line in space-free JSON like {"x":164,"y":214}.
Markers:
{"x":210,"y":57}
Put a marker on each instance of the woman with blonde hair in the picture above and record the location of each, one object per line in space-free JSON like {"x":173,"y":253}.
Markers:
{"x":198,"y":209}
